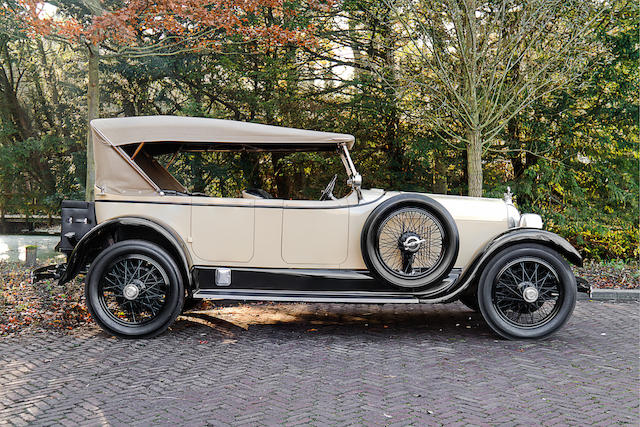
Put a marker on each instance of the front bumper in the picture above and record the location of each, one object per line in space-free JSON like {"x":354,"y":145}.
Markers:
{"x":583,"y":285}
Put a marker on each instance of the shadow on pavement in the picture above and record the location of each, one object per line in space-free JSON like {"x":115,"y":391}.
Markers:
{"x":453,"y":320}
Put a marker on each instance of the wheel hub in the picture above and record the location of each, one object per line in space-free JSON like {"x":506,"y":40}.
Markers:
{"x":410,"y":242}
{"x":132,"y":290}
{"x":530,"y":293}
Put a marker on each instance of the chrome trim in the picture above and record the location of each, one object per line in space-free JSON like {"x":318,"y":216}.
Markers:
{"x":359,"y":297}
{"x":513,"y":216}
{"x":508,"y":196}
{"x":355,"y":179}
{"x":530,"y":221}
{"x":223,"y":276}
{"x":310,"y":272}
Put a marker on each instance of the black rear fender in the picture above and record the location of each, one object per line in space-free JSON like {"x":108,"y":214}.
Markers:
{"x":126,"y":228}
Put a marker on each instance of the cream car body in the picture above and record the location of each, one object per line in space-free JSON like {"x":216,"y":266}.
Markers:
{"x":277,"y":233}
{"x":257,"y":248}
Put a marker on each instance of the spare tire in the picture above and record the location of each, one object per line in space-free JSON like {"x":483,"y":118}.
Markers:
{"x":410,"y":241}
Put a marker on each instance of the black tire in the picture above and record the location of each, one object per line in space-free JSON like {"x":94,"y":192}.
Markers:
{"x":470,"y":301}
{"x":425,"y":218}
{"x":503,"y":296}
{"x":151,"y":279}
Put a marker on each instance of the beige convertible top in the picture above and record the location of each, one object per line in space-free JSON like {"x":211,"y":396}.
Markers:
{"x":118,"y":173}
{"x":129,"y":130}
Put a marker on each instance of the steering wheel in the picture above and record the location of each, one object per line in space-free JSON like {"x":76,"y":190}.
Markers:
{"x":327,"y":193}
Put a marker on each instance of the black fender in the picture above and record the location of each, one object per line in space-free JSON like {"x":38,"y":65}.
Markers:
{"x":510,"y":237}
{"x":126,"y":228}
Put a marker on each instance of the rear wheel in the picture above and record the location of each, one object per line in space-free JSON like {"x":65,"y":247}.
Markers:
{"x":526,"y":292}
{"x":134,"y":289}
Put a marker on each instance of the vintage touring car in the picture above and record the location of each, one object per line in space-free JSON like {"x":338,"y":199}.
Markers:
{"x":149,"y":247}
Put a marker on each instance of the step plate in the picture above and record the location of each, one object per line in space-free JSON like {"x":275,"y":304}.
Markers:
{"x":359,"y":297}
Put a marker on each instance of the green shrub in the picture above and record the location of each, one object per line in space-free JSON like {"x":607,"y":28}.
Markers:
{"x":598,"y":241}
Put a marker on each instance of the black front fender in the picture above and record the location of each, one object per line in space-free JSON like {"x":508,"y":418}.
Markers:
{"x":533,"y":235}
{"x":103,"y":235}
{"x":509,"y":238}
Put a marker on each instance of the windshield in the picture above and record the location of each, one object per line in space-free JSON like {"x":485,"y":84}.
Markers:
{"x":282,"y":175}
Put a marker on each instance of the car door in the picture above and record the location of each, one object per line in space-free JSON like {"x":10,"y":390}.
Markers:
{"x":315,"y":233}
{"x":222,"y":229}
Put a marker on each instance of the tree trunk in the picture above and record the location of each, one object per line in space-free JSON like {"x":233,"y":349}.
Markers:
{"x":282,"y":181}
{"x":93,"y":103}
{"x":51,"y":82}
{"x":392,"y":118}
{"x":439,"y":173}
{"x":9,"y":88}
{"x":474,"y":163}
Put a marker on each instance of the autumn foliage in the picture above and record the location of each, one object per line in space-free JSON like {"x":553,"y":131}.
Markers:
{"x":190,"y":23}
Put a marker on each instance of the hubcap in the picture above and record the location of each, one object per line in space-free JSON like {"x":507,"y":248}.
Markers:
{"x":411,"y":242}
{"x":131,"y":291}
{"x":530,"y":294}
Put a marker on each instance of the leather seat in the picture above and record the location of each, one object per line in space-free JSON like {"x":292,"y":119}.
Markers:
{"x":255,"y":193}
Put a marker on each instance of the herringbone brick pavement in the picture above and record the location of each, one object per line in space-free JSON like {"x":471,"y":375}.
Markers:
{"x":330,"y":365}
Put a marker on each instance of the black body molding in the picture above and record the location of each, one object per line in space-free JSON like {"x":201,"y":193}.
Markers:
{"x":126,"y":228}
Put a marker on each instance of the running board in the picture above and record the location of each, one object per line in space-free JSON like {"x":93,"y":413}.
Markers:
{"x":359,"y":297}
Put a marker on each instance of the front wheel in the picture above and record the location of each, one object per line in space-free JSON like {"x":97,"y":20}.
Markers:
{"x":134,"y":289}
{"x":526,"y":292}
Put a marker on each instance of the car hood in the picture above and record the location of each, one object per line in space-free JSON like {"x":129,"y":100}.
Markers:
{"x":462,"y":208}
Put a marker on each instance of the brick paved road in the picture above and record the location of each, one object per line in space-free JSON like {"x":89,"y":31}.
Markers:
{"x":330,"y":365}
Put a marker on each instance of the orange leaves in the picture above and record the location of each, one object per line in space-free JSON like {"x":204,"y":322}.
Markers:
{"x":30,"y":14}
{"x":25,"y":306}
{"x":191,"y":23}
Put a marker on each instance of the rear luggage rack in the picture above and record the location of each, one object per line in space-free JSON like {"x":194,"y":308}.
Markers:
{"x":78,"y":218}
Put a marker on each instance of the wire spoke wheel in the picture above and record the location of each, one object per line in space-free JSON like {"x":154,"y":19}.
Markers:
{"x":409,"y":242}
{"x":527,"y":292}
{"x":134,"y":290}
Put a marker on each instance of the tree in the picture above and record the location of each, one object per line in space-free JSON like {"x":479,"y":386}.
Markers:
{"x":136,"y":28}
{"x":478,"y":63}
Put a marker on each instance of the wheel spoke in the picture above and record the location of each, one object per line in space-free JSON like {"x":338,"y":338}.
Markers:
{"x":508,"y":298}
{"x":147,"y":284}
{"x":420,"y":225}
